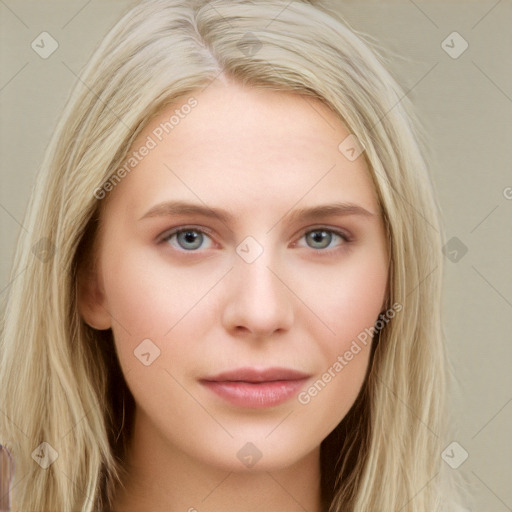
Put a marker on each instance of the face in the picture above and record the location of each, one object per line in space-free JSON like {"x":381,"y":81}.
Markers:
{"x":234,"y":293}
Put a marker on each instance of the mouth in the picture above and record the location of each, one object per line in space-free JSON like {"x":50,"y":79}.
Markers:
{"x":256,"y":389}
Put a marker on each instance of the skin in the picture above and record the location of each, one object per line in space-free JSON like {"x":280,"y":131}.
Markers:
{"x":259,"y":154}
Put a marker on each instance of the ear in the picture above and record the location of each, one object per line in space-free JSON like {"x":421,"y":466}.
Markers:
{"x":92,"y":304}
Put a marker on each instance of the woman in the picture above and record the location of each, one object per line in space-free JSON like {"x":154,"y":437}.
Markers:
{"x":257,"y":368}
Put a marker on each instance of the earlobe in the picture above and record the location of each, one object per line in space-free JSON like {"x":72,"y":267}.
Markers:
{"x":92,"y":305}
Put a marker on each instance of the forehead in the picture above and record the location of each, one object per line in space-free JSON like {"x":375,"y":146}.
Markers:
{"x":241,"y":145}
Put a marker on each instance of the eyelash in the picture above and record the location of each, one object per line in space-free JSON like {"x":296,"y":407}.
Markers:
{"x":166,"y":237}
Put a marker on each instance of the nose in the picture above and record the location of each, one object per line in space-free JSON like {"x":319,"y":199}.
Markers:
{"x":258,"y":302}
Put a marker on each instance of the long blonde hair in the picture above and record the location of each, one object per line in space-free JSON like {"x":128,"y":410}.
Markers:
{"x":60,"y":382}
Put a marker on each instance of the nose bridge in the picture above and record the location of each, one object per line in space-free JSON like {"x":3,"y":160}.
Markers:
{"x":259,"y":301}
{"x":257,"y":278}
{"x":254,"y":257}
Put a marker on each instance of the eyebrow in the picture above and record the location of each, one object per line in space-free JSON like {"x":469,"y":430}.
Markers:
{"x":175,"y":208}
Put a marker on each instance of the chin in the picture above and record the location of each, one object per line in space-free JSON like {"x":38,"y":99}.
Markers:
{"x":259,"y":452}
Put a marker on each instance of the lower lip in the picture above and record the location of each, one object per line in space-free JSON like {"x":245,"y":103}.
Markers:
{"x":255,"y":395}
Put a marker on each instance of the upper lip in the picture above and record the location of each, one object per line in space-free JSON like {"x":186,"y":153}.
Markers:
{"x":257,"y":375}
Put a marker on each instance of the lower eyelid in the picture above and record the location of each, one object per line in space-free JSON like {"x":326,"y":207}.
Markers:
{"x":346,"y":238}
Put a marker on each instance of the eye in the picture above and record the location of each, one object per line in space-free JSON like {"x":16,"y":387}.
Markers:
{"x":191,"y":239}
{"x":187,"y":239}
{"x":321,"y":238}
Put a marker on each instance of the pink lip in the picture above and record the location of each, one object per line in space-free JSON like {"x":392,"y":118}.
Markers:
{"x":248,"y":387}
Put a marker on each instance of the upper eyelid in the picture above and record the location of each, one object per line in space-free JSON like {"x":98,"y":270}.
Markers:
{"x":172,"y":231}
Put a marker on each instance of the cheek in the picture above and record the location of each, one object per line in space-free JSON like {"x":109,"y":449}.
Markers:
{"x":154,"y":307}
{"x":147,"y":296}
{"x":151,"y":299}
{"x":347,"y":299}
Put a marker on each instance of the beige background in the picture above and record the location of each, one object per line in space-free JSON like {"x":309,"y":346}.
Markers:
{"x":465,"y":104}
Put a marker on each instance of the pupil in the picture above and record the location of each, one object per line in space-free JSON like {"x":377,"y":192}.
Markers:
{"x":189,"y":238}
{"x":320,"y":237}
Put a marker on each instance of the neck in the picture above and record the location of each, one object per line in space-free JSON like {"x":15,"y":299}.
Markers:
{"x":162,"y":478}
